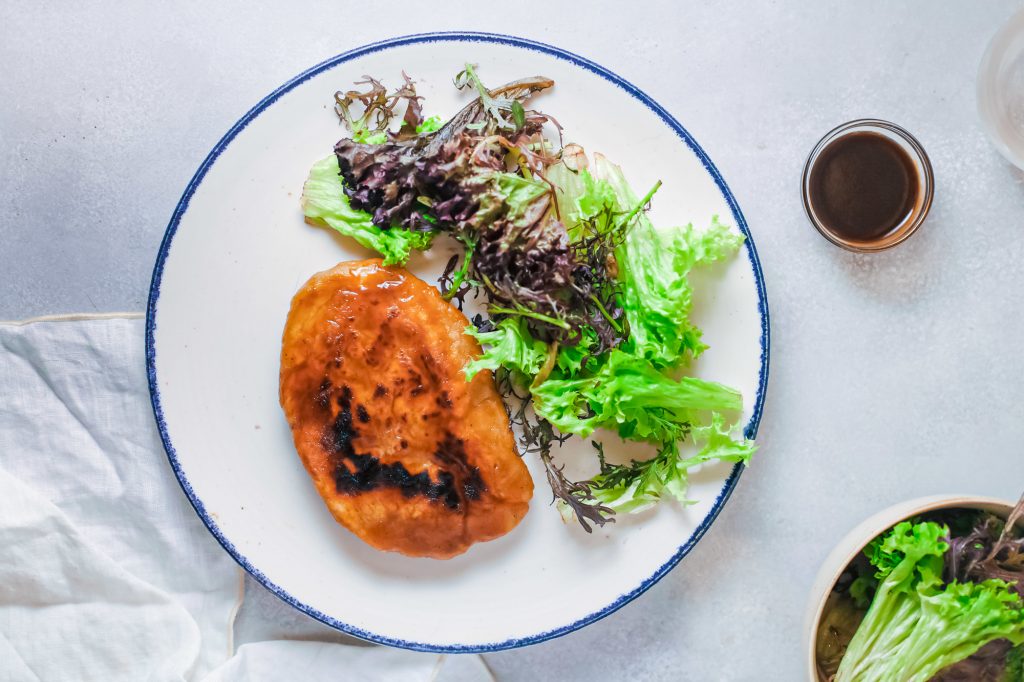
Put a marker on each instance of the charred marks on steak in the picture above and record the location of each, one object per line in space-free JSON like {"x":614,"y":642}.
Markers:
{"x":430,"y":369}
{"x":451,"y":453}
{"x":415,"y":379}
{"x":428,"y":378}
{"x":381,"y":346}
{"x":323,"y":396}
{"x":355,"y":473}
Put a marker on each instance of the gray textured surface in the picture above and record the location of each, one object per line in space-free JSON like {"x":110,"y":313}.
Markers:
{"x":893,"y":376}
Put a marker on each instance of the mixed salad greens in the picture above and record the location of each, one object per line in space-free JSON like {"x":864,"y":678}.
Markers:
{"x":938,"y":598}
{"x":588,"y":303}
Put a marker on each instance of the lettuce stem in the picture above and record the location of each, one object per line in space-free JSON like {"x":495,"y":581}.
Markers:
{"x":561,"y":324}
{"x":643,"y":202}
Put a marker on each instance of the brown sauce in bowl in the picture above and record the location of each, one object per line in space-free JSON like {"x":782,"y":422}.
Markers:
{"x":863,"y":186}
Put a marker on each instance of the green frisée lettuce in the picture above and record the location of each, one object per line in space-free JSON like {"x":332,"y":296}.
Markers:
{"x":629,"y":395}
{"x":429,"y":125}
{"x":628,"y":389}
{"x":510,"y":346}
{"x":583,"y":202}
{"x":917,"y":624}
{"x":570,"y":360}
{"x":653,"y":267}
{"x":639,"y":485}
{"x":324,"y":202}
{"x":588,"y":304}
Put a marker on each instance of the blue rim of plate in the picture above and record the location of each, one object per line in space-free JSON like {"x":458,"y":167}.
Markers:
{"x":750,"y":431}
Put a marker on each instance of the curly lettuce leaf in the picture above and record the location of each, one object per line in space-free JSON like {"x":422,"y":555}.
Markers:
{"x":511,"y":346}
{"x":508,"y":345}
{"x":717,"y":444}
{"x":596,"y":197}
{"x":583,"y":201}
{"x":628,"y":394}
{"x":638,"y":486}
{"x":571,"y":360}
{"x":917,"y":625}
{"x":653,"y":266}
{"x":627,"y":389}
{"x":429,"y":125}
{"x":324,"y":203}
{"x":366,"y":136}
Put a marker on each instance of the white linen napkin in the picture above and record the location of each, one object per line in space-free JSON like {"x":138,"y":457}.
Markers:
{"x":106,"y":573}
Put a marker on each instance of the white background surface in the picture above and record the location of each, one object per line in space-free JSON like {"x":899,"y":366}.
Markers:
{"x":893,"y":375}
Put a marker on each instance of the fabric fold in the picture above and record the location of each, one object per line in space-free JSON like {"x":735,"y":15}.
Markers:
{"x":106,"y":572}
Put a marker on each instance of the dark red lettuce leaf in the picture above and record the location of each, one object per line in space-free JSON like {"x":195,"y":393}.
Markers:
{"x":397,"y":183}
{"x":993,"y":548}
{"x":987,"y":665}
{"x":522,"y":258}
{"x":400,"y":181}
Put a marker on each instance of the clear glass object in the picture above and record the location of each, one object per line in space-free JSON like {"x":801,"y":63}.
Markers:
{"x":1001,"y":90}
{"x":922,"y":202}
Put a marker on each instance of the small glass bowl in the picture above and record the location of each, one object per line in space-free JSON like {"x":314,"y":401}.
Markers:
{"x":926,"y":183}
{"x":1001,"y":90}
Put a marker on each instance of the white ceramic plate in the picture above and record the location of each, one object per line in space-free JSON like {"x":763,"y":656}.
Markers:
{"x":237,"y":249}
